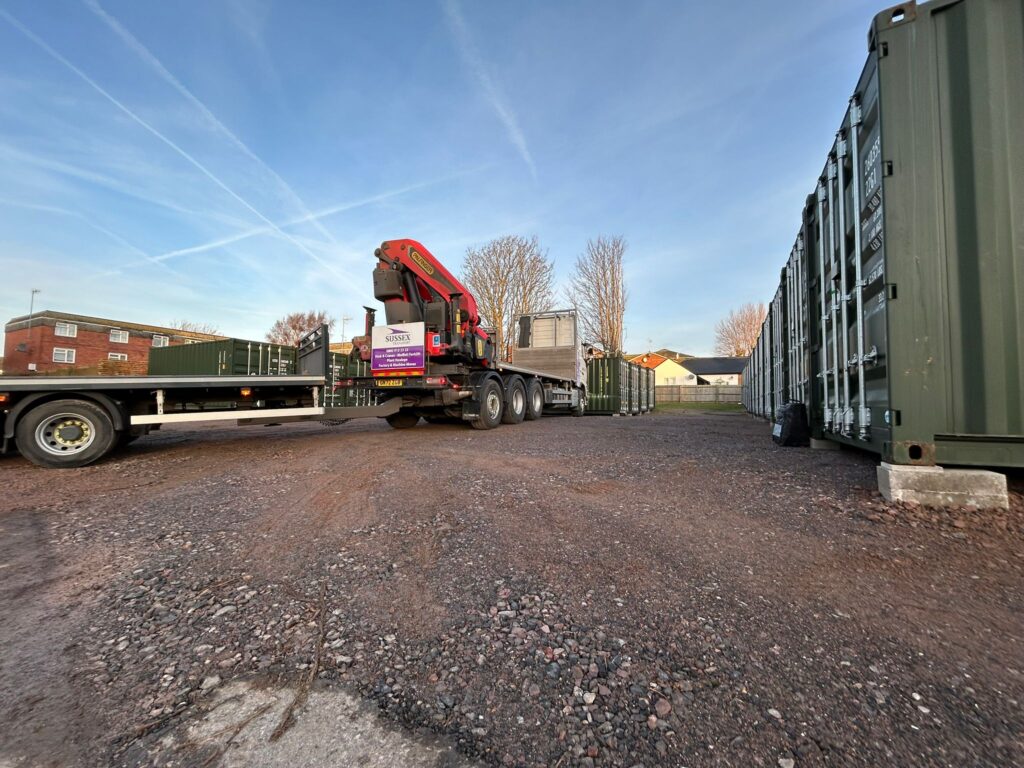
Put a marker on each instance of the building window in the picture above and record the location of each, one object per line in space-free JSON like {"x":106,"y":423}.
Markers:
{"x":116,"y":356}
{"x":62,"y":355}
{"x":65,"y":329}
{"x":119,"y":337}
{"x":161,"y":341}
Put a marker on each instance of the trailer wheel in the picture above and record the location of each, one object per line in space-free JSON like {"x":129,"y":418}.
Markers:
{"x":65,"y":434}
{"x":403,"y":420}
{"x":515,"y":402}
{"x":491,"y":402}
{"x":534,"y":400}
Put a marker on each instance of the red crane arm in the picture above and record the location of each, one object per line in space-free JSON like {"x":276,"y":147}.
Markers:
{"x":429,"y":272}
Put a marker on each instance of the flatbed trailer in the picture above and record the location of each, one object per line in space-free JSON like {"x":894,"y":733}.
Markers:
{"x":71,"y":421}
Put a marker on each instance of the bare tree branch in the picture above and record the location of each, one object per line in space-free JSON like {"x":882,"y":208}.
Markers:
{"x":736,"y":334}
{"x":509,"y":276}
{"x":290,"y":328}
{"x":194,"y":326}
{"x":598,"y":291}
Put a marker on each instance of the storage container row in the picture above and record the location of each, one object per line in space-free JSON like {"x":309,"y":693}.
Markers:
{"x":898,"y":321}
{"x":616,"y":386}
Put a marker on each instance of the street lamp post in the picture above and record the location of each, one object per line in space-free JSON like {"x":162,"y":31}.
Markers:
{"x":31,"y":312}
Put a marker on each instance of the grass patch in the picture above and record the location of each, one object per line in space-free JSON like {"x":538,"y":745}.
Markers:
{"x":726,"y":407}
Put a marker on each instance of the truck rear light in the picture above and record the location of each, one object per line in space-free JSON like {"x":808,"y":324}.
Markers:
{"x":246,"y":391}
{"x":4,"y":397}
{"x":436,"y":381}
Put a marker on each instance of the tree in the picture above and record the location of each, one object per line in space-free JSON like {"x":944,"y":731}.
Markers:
{"x":598,"y":291}
{"x":509,"y":276}
{"x":194,"y":326}
{"x":736,"y":334}
{"x":290,"y":328}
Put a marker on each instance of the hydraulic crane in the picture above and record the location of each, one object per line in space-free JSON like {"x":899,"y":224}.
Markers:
{"x":417,"y":288}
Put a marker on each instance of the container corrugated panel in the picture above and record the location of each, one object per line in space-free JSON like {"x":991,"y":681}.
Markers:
{"x":606,"y":383}
{"x":615,"y":386}
{"x":343,"y":366}
{"x":909,"y":260}
{"x":226,"y":357}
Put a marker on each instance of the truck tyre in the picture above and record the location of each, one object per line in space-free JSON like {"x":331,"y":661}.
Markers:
{"x":403,"y":420}
{"x":534,"y":400}
{"x":515,"y":402}
{"x":65,"y":434}
{"x":491,"y":402}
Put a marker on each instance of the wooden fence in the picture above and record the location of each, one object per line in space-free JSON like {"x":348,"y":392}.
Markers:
{"x":697,"y":393}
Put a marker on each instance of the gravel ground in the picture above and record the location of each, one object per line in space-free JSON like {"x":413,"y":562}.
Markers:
{"x":670,"y":589}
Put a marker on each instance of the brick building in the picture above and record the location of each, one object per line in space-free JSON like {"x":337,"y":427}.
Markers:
{"x":59,"y":343}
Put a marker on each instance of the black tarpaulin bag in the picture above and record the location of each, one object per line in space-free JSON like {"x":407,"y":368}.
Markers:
{"x":791,"y":425}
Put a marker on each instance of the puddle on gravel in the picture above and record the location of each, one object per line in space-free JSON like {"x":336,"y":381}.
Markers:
{"x":332,"y":727}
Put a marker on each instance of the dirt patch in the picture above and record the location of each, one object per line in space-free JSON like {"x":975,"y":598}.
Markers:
{"x":666,"y":590}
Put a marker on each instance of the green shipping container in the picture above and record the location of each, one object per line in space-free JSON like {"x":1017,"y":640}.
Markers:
{"x":900,"y":318}
{"x":615,"y":386}
{"x":342,"y":366}
{"x":227,"y":357}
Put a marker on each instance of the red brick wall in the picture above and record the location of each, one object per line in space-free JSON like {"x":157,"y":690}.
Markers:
{"x":91,"y":349}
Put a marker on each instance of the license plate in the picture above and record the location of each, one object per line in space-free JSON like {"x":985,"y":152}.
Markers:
{"x":389,"y":382}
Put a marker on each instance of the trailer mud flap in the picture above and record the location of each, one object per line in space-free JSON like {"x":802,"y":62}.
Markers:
{"x":470,"y":410}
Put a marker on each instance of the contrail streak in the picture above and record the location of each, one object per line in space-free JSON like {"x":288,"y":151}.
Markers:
{"x":99,"y":179}
{"x":471,"y":55}
{"x":195,"y":163}
{"x":146,"y":55}
{"x":309,"y":217}
{"x":82,"y":217}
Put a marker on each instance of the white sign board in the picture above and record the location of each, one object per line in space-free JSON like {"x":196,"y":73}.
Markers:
{"x":398,"y":347}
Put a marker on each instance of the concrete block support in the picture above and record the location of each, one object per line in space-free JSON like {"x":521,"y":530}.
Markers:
{"x":940,"y":487}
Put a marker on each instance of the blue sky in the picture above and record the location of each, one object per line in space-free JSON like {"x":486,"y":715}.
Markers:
{"x":235,"y":161}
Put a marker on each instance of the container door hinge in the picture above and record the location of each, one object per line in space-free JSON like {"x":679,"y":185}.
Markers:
{"x":890,"y":291}
{"x":892,"y":418}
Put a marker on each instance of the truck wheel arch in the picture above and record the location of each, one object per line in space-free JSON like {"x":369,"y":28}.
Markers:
{"x":114,"y":409}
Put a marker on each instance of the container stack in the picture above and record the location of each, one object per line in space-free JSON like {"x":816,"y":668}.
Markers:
{"x":899,"y":318}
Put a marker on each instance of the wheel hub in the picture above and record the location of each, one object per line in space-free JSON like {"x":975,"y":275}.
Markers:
{"x":65,"y":433}
{"x":71,"y":433}
{"x":493,"y":405}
